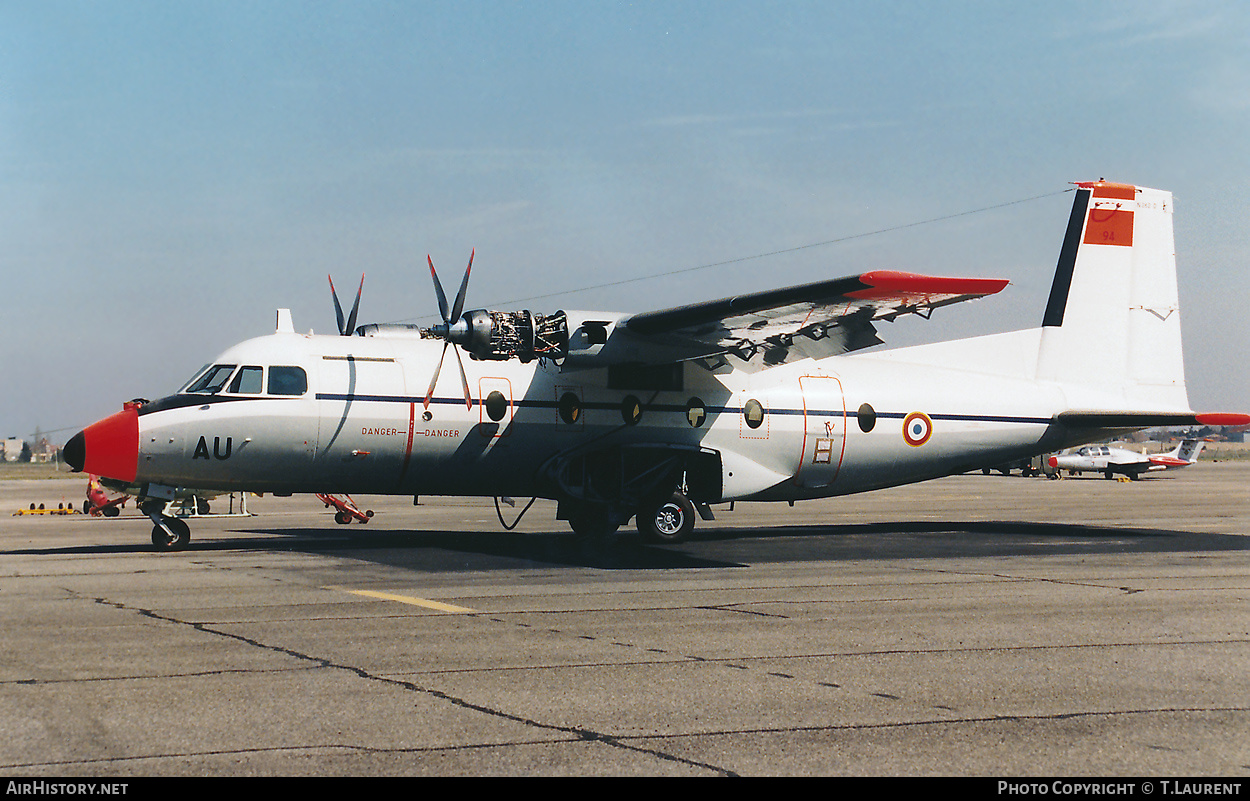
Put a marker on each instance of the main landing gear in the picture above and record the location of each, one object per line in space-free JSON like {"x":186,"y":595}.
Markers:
{"x":669,"y":522}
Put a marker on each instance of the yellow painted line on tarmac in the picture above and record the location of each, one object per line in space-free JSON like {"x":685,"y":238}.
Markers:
{"x":411,"y":600}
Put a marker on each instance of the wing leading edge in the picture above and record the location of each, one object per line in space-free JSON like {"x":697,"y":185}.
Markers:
{"x":813,"y":320}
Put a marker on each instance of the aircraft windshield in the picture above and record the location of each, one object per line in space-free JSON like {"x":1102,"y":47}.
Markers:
{"x":194,"y":376}
{"x":213,"y":379}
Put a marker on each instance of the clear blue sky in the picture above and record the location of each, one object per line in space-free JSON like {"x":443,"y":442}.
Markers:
{"x":172,"y":172}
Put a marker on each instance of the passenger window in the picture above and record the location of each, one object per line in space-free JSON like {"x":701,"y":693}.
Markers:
{"x":213,"y":380}
{"x":287,"y":381}
{"x":753,"y":412}
{"x":248,"y":381}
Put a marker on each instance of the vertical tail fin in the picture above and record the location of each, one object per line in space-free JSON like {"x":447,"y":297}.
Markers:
{"x":1112,"y":324}
{"x":1189,"y":449}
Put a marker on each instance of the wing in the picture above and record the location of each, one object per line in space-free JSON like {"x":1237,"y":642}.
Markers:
{"x":779,"y":325}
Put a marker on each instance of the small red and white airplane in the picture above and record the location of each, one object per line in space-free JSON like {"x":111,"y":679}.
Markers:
{"x":657,"y":415}
{"x":1109,"y":460}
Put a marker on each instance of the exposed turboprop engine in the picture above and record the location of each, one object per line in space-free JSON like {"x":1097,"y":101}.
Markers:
{"x":502,"y":335}
{"x":496,"y":335}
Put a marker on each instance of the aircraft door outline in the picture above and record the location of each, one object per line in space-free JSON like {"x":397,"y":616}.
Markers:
{"x":824,"y":431}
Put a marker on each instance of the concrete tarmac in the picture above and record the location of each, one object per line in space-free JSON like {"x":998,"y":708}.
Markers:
{"x":974,"y":626}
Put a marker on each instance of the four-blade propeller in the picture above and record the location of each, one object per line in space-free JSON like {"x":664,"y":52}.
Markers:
{"x":453,"y":330}
{"x":347,"y":329}
{"x":450,"y":330}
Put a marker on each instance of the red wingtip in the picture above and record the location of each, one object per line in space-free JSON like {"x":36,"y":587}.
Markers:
{"x":890,"y":283}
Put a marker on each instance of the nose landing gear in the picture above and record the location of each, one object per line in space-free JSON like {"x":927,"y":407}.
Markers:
{"x":168,"y":533}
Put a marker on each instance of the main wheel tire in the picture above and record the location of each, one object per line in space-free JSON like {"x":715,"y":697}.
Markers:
{"x":181,"y":535}
{"x":671,"y":521}
{"x":342,"y":517}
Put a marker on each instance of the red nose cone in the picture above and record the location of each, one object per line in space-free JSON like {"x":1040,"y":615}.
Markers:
{"x":1054,"y":462}
{"x":110,"y":448}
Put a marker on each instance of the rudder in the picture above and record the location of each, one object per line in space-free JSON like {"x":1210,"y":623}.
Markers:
{"x":1112,"y":323}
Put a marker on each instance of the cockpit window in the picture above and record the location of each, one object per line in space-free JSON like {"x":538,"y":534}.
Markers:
{"x":287,"y":381}
{"x":213,"y":379}
{"x":248,"y":381}
{"x":194,"y":376}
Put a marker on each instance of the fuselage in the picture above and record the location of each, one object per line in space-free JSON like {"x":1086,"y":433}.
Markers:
{"x":355,"y":420}
{"x":773,"y":395}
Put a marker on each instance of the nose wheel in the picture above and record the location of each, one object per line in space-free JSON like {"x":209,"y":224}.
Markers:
{"x":168,"y":533}
{"x":171,"y":534}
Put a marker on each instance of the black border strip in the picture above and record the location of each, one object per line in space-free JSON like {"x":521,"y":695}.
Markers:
{"x":712,"y":311}
{"x":1067,"y":262}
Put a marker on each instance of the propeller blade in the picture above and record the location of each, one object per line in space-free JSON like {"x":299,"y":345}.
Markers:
{"x":448,"y":319}
{"x":430,"y":392}
{"x":338,"y":310}
{"x":438,"y":290}
{"x":351,"y":319}
{"x":464,"y":287}
{"x":464,"y":379}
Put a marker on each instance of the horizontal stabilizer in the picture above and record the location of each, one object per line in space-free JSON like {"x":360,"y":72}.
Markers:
{"x":1128,"y":419}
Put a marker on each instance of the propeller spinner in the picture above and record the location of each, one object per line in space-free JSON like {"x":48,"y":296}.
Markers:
{"x":347,"y":329}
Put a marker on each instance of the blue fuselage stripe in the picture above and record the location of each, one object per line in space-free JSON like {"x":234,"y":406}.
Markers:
{"x":680,"y":409}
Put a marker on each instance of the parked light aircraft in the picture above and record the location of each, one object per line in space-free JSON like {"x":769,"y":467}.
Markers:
{"x":1108,"y":460}
{"x":656,"y":415}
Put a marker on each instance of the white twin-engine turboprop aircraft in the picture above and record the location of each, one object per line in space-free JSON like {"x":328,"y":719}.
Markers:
{"x":659,"y":414}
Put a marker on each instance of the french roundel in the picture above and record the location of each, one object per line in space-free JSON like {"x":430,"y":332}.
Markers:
{"x":917,"y":428}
